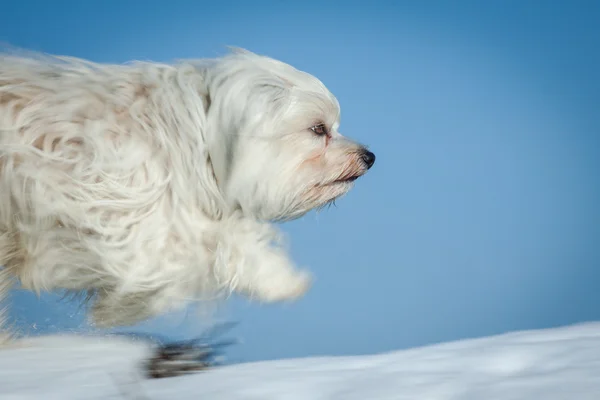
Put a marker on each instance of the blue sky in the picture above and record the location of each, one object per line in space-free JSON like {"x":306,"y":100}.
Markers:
{"x":481,"y":214}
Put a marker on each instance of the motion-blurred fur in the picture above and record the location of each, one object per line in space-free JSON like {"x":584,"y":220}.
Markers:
{"x":149,"y":185}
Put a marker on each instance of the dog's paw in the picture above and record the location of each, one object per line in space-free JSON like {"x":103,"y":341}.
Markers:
{"x":283,"y":287}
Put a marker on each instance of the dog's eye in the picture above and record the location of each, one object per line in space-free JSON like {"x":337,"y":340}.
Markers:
{"x":320,"y":129}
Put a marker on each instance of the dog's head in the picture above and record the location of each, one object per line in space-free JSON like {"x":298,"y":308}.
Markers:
{"x":273,"y":138}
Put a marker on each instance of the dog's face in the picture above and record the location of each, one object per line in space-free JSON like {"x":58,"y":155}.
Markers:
{"x":274,"y":140}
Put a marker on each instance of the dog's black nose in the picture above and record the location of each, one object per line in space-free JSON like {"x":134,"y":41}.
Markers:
{"x":368,"y":158}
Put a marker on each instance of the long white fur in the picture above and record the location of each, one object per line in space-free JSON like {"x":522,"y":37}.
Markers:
{"x":151,"y":185}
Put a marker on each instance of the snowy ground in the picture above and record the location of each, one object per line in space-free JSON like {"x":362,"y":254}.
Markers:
{"x":550,"y":364}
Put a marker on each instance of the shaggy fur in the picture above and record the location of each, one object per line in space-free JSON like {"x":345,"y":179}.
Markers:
{"x":149,"y":185}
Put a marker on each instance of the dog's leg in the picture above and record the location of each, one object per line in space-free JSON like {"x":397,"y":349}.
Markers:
{"x":5,"y":285}
{"x":250,"y":261}
{"x":7,"y":253}
{"x":113,"y":309}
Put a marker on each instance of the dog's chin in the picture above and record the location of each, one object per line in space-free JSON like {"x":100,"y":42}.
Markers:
{"x":327,"y":193}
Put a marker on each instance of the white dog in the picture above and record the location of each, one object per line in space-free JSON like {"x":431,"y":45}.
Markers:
{"x":148,"y":185}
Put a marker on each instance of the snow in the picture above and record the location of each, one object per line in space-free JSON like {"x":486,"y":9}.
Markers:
{"x":552,"y":364}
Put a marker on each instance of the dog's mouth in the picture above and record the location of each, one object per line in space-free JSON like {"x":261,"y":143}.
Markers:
{"x":348,"y":179}
{"x":340,"y":181}
{"x":344,"y":179}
